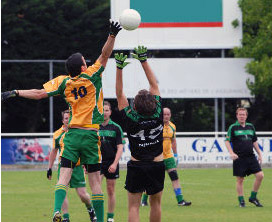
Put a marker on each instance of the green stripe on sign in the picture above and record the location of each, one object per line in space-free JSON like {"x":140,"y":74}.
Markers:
{"x":179,"y":11}
{"x":243,"y":132}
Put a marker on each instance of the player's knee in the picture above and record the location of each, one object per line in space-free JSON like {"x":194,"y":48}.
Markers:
{"x":67,"y":163}
{"x":110,"y":191}
{"x":240,"y":180}
{"x":83,"y":195}
{"x":260,"y":175}
{"x":173,"y":175}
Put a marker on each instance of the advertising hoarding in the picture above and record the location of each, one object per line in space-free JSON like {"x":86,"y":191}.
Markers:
{"x":184,"y":78}
{"x":181,"y":24}
{"x":191,"y":150}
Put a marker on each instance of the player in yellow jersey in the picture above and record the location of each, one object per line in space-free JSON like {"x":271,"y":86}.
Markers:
{"x":77,"y":179}
{"x":82,"y":90}
{"x":170,"y":158}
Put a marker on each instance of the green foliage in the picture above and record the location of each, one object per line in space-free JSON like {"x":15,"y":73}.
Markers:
{"x":53,"y":29}
{"x":28,"y":194}
{"x":235,"y":23}
{"x":191,"y":115}
{"x":257,"y":44}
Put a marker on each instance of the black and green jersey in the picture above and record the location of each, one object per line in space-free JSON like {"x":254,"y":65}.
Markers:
{"x":111,"y":135}
{"x":242,"y":139}
{"x":145,"y":133}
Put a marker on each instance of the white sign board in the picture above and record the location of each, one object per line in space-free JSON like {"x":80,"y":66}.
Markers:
{"x":208,"y":150}
{"x":184,"y":78}
{"x":181,"y":24}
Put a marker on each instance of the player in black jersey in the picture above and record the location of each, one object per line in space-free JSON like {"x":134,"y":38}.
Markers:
{"x":112,"y":140}
{"x":243,"y":137}
{"x":144,"y":125}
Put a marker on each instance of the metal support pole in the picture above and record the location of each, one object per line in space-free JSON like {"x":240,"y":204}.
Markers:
{"x":51,"y":115}
{"x":223,"y":115}
{"x":216,"y":114}
{"x":223,"y":120}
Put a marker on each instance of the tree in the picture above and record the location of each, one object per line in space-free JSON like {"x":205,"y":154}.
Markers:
{"x":53,"y":29}
{"x":257,"y":44}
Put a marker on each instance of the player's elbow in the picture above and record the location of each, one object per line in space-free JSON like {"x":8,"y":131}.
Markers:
{"x":40,"y":94}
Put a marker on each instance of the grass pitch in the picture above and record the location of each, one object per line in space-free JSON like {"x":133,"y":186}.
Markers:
{"x":29,"y":196}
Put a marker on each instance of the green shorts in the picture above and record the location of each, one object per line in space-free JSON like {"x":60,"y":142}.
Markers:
{"x":83,"y":144}
{"x":78,"y":177}
{"x":170,"y":163}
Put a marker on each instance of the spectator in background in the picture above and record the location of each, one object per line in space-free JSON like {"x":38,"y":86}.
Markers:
{"x":243,"y":137}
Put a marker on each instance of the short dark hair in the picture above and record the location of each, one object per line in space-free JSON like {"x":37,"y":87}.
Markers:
{"x":107,"y":103}
{"x":73,"y":64}
{"x":145,"y":103}
{"x":63,"y":112}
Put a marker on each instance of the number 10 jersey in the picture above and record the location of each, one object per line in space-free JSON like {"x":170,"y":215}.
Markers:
{"x":83,"y":95}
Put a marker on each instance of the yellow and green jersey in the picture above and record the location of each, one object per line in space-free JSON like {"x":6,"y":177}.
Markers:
{"x":169,"y":132}
{"x":83,"y":94}
{"x":57,"y":140}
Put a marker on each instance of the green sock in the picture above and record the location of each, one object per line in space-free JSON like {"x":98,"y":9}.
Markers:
{"x":253,"y":195}
{"x":110,"y":215}
{"x":144,"y":197}
{"x":98,"y":204}
{"x":60,"y":194}
{"x":241,"y":199}
{"x":66,"y":216}
{"x":179,"y":197}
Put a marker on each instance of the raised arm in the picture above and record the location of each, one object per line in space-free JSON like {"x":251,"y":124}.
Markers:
{"x":120,"y":64}
{"x":153,"y":84}
{"x":108,"y":47}
{"x":28,"y":94}
{"x":141,"y":55}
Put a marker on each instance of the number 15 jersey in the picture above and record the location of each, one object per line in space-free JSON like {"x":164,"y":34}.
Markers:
{"x":145,"y":133}
{"x":83,"y":94}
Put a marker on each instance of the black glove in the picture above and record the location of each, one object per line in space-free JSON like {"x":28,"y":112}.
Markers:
{"x":8,"y":94}
{"x":114,"y":28}
{"x":49,"y":173}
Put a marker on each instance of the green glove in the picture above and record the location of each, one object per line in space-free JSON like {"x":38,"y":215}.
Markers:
{"x":140,"y":53}
{"x":120,"y":60}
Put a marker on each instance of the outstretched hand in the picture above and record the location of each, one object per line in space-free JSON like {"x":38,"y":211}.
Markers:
{"x":8,"y":94}
{"x":120,"y":60}
{"x":140,"y":53}
{"x":115,"y":27}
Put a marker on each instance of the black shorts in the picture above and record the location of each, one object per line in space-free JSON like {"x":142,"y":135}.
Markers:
{"x":145,"y":176}
{"x":105,"y":170}
{"x":244,"y":166}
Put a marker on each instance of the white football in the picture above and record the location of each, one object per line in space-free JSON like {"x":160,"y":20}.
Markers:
{"x":130,"y":19}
